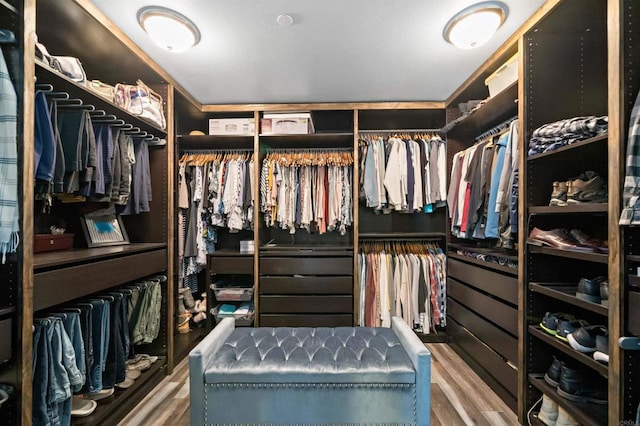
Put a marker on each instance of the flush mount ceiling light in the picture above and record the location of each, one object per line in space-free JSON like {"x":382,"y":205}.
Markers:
{"x":168,"y":29}
{"x":474,"y":25}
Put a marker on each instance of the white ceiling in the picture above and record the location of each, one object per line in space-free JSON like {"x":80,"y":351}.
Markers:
{"x":335,"y":51}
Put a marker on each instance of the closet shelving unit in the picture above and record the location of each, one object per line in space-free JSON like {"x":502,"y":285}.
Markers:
{"x":306,"y":279}
{"x":15,"y":273}
{"x":483,"y":296}
{"x":561,"y":40}
{"x":227,"y":261}
{"x":624,"y":82}
{"x":402,"y":226}
{"x":50,"y":280}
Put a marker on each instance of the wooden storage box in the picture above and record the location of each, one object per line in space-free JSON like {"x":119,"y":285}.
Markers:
{"x":52,"y":242}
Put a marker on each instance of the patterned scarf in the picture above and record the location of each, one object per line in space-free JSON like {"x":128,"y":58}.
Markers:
{"x":9,"y":211}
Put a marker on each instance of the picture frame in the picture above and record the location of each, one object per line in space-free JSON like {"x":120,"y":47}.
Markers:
{"x":102,"y":229}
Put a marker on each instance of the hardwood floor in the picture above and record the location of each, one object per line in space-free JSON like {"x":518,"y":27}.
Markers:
{"x":458,"y":397}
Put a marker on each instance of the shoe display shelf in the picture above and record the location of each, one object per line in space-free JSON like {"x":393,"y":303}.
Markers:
{"x":586,"y":414}
{"x":551,"y":270}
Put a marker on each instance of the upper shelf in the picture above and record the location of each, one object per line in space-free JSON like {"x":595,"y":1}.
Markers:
{"x":493,"y":112}
{"x":575,"y":145}
{"x":590,"y":257}
{"x":312,"y":140}
{"x":187,"y":142}
{"x":62,"y":83}
{"x":566,"y":293}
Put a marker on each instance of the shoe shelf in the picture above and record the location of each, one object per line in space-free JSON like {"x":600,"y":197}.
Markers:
{"x":587,"y":360}
{"x":121,"y":402}
{"x":576,"y":145}
{"x":583,"y":413}
{"x":590,"y":257}
{"x":505,"y":253}
{"x":566,"y":293}
{"x":571,"y":209}
{"x":633,"y":258}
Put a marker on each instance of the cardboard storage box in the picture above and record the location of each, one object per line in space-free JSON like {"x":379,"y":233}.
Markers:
{"x":52,"y":242}
{"x":232,"y":126}
{"x":503,"y":77}
{"x":287,"y":124}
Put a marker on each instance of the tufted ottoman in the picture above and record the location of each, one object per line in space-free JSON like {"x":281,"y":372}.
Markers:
{"x":310,"y":376}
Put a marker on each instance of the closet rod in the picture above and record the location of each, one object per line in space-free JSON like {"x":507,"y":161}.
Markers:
{"x":319,"y":150}
{"x":214,"y":151}
{"x":497,"y":129}
{"x":401,"y":131}
{"x":403,"y":240}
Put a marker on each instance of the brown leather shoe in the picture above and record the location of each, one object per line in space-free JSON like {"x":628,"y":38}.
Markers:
{"x":557,"y":238}
{"x":585,"y":240}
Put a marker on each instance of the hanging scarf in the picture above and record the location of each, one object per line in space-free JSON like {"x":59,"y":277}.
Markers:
{"x":9,"y":211}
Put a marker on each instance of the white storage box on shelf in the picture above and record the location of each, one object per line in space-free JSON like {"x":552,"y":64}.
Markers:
{"x":246,"y":246}
{"x":232,"y":126}
{"x":503,"y":77}
{"x":299,"y":123}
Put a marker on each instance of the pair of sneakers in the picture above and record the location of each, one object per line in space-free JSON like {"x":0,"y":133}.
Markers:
{"x":551,"y":414}
{"x":589,"y":187}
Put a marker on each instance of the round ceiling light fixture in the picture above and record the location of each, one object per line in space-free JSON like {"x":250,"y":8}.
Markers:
{"x":169,"y":29}
{"x":476,"y":24}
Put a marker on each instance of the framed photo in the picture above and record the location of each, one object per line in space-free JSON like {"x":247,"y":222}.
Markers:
{"x":104,"y":229}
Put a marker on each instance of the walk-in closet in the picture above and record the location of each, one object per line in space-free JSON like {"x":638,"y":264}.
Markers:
{"x":499,"y":224}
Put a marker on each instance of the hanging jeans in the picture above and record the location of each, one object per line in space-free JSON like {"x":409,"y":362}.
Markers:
{"x":100,"y":339}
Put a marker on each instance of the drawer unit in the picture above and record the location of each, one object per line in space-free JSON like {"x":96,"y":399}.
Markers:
{"x":306,"y":288}
{"x":306,"y":285}
{"x":231,"y":264}
{"x":306,"y":265}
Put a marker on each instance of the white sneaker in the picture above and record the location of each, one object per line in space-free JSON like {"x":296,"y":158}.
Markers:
{"x":104,"y":393}
{"x":548,"y":411}
{"x":565,"y":419}
{"x":81,"y":407}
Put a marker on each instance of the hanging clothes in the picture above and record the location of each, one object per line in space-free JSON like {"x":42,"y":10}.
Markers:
{"x":402,"y":173}
{"x":9,"y":208}
{"x":402,"y":279}
{"x":483,"y":187}
{"x":310,"y":190}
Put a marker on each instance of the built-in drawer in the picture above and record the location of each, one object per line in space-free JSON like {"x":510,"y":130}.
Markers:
{"x":52,"y":287}
{"x":298,"y":320}
{"x":306,"y":285}
{"x":306,"y":265}
{"x":231,"y":264}
{"x":305,"y":304}
{"x":499,"y":285}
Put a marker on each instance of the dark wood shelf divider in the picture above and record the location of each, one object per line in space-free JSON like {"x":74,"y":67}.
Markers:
{"x":505,"y":253}
{"x":7,"y":310}
{"x":570,"y":209}
{"x":566,"y":293}
{"x":401,"y":235}
{"x":585,"y":414}
{"x":568,"y":350}
{"x":590,"y":257}
{"x":575,"y":145}
{"x":188,"y":142}
{"x":69,"y":257}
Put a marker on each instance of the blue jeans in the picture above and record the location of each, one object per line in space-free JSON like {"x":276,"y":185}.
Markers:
{"x":100,"y":340}
{"x":87,"y":341}
{"x":115,"y":368}
{"x":41,"y":408}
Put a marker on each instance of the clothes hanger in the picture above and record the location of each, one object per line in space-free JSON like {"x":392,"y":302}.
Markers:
{"x":7,"y":36}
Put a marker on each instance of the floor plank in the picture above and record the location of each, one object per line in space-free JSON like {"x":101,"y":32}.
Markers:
{"x":458,"y":397}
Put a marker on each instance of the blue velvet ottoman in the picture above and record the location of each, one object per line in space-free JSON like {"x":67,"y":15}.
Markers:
{"x":310,"y":376}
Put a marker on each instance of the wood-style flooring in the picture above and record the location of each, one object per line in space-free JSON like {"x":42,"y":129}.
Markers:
{"x":458,"y":397}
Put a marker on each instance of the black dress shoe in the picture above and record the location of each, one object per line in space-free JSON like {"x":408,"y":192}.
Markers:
{"x":576,"y":385}
{"x":589,"y":289}
{"x":552,"y":376}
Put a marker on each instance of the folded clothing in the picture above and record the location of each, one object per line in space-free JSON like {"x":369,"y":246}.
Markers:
{"x":555,"y":135}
